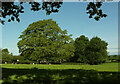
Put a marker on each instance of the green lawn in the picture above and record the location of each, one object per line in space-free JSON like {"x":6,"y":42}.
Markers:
{"x":102,"y":67}
{"x":60,"y":74}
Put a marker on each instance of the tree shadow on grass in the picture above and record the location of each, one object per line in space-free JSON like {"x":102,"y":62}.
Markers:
{"x":66,"y":76}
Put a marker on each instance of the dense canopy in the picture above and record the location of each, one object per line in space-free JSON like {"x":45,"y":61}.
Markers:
{"x":44,"y":40}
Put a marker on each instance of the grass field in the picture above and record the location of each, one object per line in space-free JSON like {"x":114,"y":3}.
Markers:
{"x":60,"y":74}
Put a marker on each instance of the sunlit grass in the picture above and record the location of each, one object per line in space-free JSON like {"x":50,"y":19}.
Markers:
{"x":102,"y":67}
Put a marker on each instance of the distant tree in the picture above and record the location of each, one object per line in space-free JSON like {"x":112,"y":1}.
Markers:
{"x":6,"y":57}
{"x":5,"y":51}
{"x":13,"y":10}
{"x":96,"y":51}
{"x":81,"y":44}
{"x":44,"y":40}
{"x":114,"y":58}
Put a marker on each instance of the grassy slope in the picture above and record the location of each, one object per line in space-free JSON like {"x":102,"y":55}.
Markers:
{"x":60,"y":74}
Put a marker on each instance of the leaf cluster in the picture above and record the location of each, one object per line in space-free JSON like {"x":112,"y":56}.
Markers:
{"x":13,"y":10}
{"x":94,"y":11}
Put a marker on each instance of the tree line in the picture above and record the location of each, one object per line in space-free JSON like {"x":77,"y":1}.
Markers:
{"x":45,"y":41}
{"x":10,"y":58}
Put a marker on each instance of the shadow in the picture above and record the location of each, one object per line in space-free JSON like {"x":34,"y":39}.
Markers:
{"x":66,"y":76}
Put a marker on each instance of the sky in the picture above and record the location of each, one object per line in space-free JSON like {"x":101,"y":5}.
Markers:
{"x":72,"y":17}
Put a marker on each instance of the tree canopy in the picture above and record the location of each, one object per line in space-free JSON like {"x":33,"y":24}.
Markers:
{"x":91,"y":52}
{"x":13,"y":10}
{"x":44,"y":40}
{"x":96,"y":51}
{"x":81,"y":44}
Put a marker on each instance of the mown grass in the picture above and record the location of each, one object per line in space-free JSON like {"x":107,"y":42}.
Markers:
{"x":102,"y":67}
{"x":60,"y":74}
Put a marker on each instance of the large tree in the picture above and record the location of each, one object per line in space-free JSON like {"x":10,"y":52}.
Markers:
{"x":96,"y":51}
{"x":81,"y":44}
{"x":13,"y":10}
{"x":91,"y":52}
{"x":44,"y":40}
